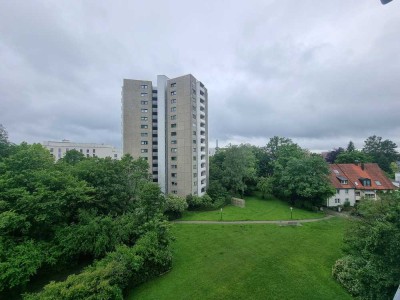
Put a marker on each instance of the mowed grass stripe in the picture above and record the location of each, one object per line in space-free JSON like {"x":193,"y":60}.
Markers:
{"x":251,"y":262}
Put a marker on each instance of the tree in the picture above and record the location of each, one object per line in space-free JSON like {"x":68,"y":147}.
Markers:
{"x":5,"y":145}
{"x":350,"y":147}
{"x":239,"y":168}
{"x":372,"y":248}
{"x":382,"y":152}
{"x":332,"y":155}
{"x":265,"y":186}
{"x":306,"y":180}
{"x":352,"y":157}
{"x":72,"y":157}
{"x":275,"y":144}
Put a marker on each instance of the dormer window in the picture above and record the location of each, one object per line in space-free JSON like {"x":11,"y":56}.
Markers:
{"x":365,"y":181}
{"x":343,"y":180}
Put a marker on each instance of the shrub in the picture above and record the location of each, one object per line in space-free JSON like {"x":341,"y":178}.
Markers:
{"x":107,"y":278}
{"x":345,"y":272}
{"x":175,"y":206}
{"x":199,"y":202}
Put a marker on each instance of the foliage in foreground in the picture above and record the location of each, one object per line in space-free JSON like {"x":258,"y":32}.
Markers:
{"x":53,"y":214}
{"x":371,"y":267}
{"x":107,"y":278}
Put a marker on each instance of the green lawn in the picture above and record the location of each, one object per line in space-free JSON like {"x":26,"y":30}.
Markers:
{"x":256,"y":209}
{"x":251,"y":262}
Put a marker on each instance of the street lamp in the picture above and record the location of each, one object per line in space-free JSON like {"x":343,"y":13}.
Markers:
{"x":221,"y":215}
{"x":291,"y":213}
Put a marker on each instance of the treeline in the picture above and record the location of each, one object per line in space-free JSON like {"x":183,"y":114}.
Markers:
{"x":375,"y":150}
{"x":53,"y":215}
{"x":281,"y":168}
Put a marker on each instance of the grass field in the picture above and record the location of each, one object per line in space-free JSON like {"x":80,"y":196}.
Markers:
{"x":251,"y":262}
{"x":256,"y":209}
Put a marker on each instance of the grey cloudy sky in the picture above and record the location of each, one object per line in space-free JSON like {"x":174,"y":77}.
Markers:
{"x":319,"y":72}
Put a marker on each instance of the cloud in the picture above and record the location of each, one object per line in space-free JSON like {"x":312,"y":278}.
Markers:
{"x":321,"y":73}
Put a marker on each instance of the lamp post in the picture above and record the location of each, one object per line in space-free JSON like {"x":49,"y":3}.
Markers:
{"x":291,"y":213}
{"x":221,"y":215}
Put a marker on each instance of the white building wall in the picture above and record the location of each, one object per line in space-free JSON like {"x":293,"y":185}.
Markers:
{"x":341,"y":196}
{"x":58,"y":149}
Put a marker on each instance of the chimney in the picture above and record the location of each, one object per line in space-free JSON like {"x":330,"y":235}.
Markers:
{"x":356,"y":162}
{"x":362,"y":166}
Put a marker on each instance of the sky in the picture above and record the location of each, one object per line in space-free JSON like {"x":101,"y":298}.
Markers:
{"x":319,"y":72}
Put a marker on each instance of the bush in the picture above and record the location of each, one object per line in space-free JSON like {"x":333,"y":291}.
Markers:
{"x":175,"y":206}
{"x":107,"y":278}
{"x":345,"y":272}
{"x":199,"y":202}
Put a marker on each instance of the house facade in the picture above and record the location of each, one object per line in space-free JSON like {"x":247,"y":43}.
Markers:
{"x":356,"y":181}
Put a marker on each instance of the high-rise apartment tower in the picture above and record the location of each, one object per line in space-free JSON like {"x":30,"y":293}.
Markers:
{"x":167,"y":125}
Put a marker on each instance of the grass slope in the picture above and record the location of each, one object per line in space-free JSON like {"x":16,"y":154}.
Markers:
{"x":256,"y":209}
{"x":251,"y":262}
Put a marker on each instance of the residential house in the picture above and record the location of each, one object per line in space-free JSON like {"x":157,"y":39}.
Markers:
{"x":355,"y":181}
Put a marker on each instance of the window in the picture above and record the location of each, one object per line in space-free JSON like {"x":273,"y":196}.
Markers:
{"x":195,"y":183}
{"x":174,"y":175}
{"x":144,"y":134}
{"x":173,"y":109}
{"x":194,"y":132}
{"x":144,"y":142}
{"x":173,"y":133}
{"x":144,"y":110}
{"x":174,"y":192}
{"x":143,"y":118}
{"x":346,"y":191}
{"x":145,"y":158}
{"x":194,"y":157}
{"x":174,"y":158}
{"x":143,"y":94}
{"x":173,"y":125}
{"x":51,"y":149}
{"x":194,"y":167}
{"x":377,"y":182}
{"x":80,"y":150}
{"x":193,"y":91}
{"x":337,"y":200}
{"x":173,"y":150}
{"x":173,"y":93}
{"x":337,"y":191}
{"x":143,"y":102}
{"x":174,"y":183}
{"x":144,"y":150}
{"x":194,"y":116}
{"x":87,"y":150}
{"x":173,"y":101}
{"x":94,"y":155}
{"x":144,"y":86}
{"x":358,"y":194}
{"x":144,"y":126}
{"x":194,"y":149}
{"x":174,"y":166}
{"x":174,"y":142}
{"x":173,"y":117}
{"x":195,"y":175}
{"x":115,"y":155}
{"x":173,"y":84}
{"x":194,"y":142}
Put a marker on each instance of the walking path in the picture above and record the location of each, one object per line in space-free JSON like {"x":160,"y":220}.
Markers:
{"x":255,"y":222}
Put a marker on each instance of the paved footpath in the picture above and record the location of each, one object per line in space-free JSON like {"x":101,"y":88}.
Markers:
{"x":255,"y":222}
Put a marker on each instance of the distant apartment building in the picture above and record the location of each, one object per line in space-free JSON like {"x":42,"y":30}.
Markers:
{"x":58,"y":149}
{"x":167,"y":125}
{"x":356,"y":181}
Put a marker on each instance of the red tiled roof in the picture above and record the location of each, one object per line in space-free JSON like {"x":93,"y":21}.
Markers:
{"x":354,"y":172}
